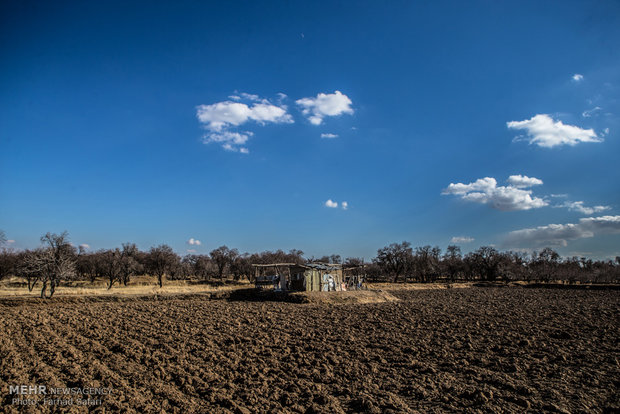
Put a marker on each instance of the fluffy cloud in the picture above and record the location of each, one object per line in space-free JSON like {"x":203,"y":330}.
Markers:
{"x":84,"y":246}
{"x":523,"y":181}
{"x":345,"y":205}
{"x":330,"y":104}
{"x":219,"y":118}
{"x":193,"y":242}
{"x":543,"y":131}
{"x":561,"y":234}
{"x":580,"y":208}
{"x":577,"y":77}
{"x":331,"y":204}
{"x":505,"y":198}
{"x":461,"y":239}
{"x":329,"y":136}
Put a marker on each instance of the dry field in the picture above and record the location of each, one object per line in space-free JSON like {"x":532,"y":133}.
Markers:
{"x":471,"y":349}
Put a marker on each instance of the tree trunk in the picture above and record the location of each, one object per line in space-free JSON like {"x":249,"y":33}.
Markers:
{"x":43,"y":289}
{"x":52,"y":288}
{"x":159,"y":279}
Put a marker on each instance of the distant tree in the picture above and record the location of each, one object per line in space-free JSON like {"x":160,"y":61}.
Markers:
{"x":8,"y":262}
{"x":130,"y":264}
{"x":86,"y":265}
{"x":2,"y":237}
{"x":484,"y":262}
{"x":453,"y":262}
{"x":223,"y":257}
{"x":395,"y":259}
{"x":241,"y":266}
{"x":160,"y":260}
{"x":110,"y":265}
{"x":58,"y":261}
{"x":201,"y":265}
{"x":425,"y":263}
{"x":546,"y":264}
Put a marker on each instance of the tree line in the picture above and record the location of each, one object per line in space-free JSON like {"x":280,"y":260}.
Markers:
{"x":58,"y":260}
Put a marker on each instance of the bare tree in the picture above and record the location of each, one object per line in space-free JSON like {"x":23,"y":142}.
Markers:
{"x":129,"y":262}
{"x":453,"y":262}
{"x":110,"y":265}
{"x":58,"y":261}
{"x":222,"y":257}
{"x":160,"y":261}
{"x":241,"y":266}
{"x":394,"y":259}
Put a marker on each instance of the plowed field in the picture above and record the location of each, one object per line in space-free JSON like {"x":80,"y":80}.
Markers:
{"x":475,"y":349}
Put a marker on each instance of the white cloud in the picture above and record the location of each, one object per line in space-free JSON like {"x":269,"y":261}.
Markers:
{"x":543,"y":131}
{"x":193,"y":242}
{"x":505,"y":198}
{"x":561,"y":234}
{"x":331,"y":204}
{"x":329,"y":136}
{"x":523,"y":181}
{"x":330,"y":104}
{"x":219,"y":118}
{"x":345,"y":205}
{"x":461,"y":239}
{"x":580,"y":208}
{"x":590,"y":112}
{"x":230,"y":141}
{"x":85,"y":246}
{"x":577,"y":77}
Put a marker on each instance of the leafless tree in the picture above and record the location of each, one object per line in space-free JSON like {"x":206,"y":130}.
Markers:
{"x":395,"y":259}
{"x":241,"y":266}
{"x":160,"y":260}
{"x":222,"y":257}
{"x":58,"y":261}
{"x":452,"y":262}
{"x":129,"y":262}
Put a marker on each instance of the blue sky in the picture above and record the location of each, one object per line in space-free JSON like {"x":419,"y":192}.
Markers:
{"x":241,"y":123}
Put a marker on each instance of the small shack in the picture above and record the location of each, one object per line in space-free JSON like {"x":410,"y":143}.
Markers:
{"x":309,"y":277}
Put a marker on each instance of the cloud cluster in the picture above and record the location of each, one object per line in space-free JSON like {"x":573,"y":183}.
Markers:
{"x":560,"y":234}
{"x":219,"y":118}
{"x":334,"y":204}
{"x":577,"y":77}
{"x":523,"y":181}
{"x":222,"y":119}
{"x":506,"y":198}
{"x":580,"y":208}
{"x":193,"y":242}
{"x":461,"y":239}
{"x":544,"y":131}
{"x":325,"y":104}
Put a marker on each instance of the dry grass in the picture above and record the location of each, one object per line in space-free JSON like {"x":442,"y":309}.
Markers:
{"x":139,"y":286}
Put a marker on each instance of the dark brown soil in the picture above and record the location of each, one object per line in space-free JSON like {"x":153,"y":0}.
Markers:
{"x":472,"y":350}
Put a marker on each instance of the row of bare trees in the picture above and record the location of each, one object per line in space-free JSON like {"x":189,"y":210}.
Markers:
{"x":57,"y":260}
{"x":399,"y":261}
